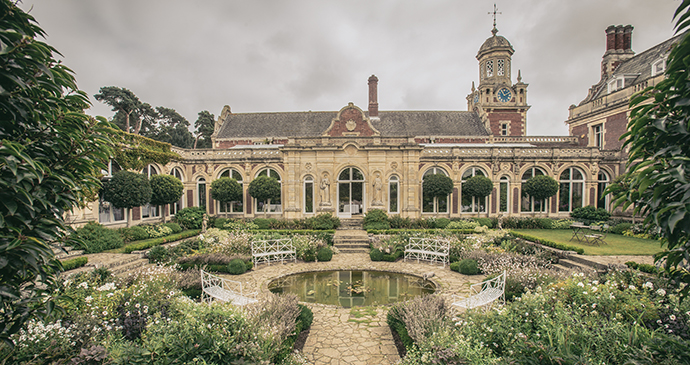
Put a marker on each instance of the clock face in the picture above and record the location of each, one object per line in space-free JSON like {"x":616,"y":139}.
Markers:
{"x":476,"y":97}
{"x":504,"y":95}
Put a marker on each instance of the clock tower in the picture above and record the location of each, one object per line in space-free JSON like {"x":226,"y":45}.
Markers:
{"x":501,"y":104}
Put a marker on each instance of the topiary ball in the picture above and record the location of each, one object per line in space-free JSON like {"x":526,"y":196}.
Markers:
{"x":376,"y":255}
{"x":325,"y":254}
{"x":468,"y":267}
{"x":237,"y":267}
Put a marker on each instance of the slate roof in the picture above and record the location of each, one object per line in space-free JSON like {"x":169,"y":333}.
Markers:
{"x":314,"y":124}
{"x":640,"y":64}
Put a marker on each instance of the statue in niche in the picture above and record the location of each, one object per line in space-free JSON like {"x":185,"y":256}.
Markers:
{"x":378,"y":190}
{"x":325,"y":186}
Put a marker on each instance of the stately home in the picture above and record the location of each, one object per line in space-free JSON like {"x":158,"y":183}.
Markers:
{"x":349,"y":161}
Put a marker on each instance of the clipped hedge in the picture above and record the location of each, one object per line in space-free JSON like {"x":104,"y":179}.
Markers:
{"x":146,"y":244}
{"x":649,"y":269}
{"x":430,"y":230}
{"x":324,"y":254}
{"x":74,"y":263}
{"x":544,"y":242}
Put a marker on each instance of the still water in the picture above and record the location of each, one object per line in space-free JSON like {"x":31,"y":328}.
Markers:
{"x":352,"y":288}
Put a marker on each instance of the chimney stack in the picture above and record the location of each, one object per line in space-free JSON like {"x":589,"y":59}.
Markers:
{"x":618,"y":48}
{"x":373,"y":98}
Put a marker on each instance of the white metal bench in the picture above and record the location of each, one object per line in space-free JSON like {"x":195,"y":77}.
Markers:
{"x":214,"y":287}
{"x":484,"y":293}
{"x":273,"y":250}
{"x":434,"y":250}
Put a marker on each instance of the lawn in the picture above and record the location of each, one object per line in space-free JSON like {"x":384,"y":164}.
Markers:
{"x":615,"y":244}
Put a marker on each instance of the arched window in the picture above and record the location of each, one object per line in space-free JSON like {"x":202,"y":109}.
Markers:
{"x":273,"y":205}
{"x":149,"y":211}
{"x":393,"y":194}
{"x":175,"y":207}
{"x":433,"y":204}
{"x":571,"y":190}
{"x":106,"y":212}
{"x":308,"y":194}
{"x":529,"y":204}
{"x":201,"y":192}
{"x":603,"y":182}
{"x":504,"y":195}
{"x":350,"y":191}
{"x":470,"y":203}
{"x":235,"y":206}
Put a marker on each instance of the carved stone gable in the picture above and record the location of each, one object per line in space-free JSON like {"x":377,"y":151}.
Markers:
{"x":351,"y":121}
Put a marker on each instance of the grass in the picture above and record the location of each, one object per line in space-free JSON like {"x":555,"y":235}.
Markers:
{"x":360,"y":314}
{"x":615,"y":244}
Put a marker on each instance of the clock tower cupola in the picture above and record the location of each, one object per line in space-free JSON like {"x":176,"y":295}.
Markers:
{"x":500,"y":103}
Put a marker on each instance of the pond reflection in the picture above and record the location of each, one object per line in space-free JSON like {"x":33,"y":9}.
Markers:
{"x":352,"y":288}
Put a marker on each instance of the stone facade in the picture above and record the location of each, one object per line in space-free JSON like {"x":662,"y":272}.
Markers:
{"x":353,"y":160}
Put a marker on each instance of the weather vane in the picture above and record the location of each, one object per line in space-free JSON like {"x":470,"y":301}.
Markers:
{"x":494,"y":31}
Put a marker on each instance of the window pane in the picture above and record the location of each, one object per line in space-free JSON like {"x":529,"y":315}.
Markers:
{"x":225,"y":173}
{"x":357,"y":175}
{"x":443,"y":205}
{"x":343,"y":195}
{"x":564,"y":198}
{"x":118,"y":213}
{"x":309,"y":197}
{"x":577,"y":195}
{"x":344,"y":175}
{"x":565,"y":175}
{"x":236,"y":175}
{"x":503,"y":201}
{"x":577,"y":174}
{"x":466,"y":204}
{"x":393,"y":196}
{"x":427,"y":204}
{"x":202,"y":195}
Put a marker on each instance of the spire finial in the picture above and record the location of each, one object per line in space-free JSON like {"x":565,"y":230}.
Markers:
{"x":494,"y":31}
{"x":473,"y":86}
{"x":519,"y":76}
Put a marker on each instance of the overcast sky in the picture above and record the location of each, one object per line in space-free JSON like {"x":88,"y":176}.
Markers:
{"x":298,"y":55}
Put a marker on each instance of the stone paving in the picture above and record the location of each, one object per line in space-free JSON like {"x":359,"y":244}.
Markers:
{"x":359,"y":335}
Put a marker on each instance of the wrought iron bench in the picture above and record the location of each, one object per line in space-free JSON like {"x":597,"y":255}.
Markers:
{"x":433,"y":250}
{"x":214,"y":287}
{"x":482,"y":294}
{"x":273,"y":250}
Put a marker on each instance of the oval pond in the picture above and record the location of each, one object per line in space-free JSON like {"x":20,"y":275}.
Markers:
{"x":352,"y":288}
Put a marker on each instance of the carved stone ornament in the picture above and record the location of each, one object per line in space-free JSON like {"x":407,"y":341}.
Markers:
{"x":350,"y":125}
{"x":394,"y":165}
{"x":308,"y":166}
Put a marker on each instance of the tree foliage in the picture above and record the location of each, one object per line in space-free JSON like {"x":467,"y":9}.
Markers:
{"x":540,"y":187}
{"x":226,"y":190}
{"x":124,"y":102}
{"x":204,"y":125}
{"x":127,"y":189}
{"x":165,"y":189}
{"x":264,"y":188}
{"x":477,"y":186}
{"x":51,"y":155}
{"x":659,"y":157}
{"x":437,"y":185}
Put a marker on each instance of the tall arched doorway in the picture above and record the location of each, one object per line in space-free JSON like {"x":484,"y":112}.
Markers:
{"x":350,"y":192}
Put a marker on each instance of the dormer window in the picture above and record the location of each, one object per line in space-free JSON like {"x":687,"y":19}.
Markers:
{"x":658,"y":67}
{"x":616,"y":84}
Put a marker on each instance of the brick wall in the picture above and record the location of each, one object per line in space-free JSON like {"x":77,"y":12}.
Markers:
{"x":516,"y":128}
{"x":615,"y":126}
{"x":361,"y":129}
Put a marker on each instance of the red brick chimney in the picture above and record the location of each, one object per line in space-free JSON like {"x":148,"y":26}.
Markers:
{"x":373,"y":98}
{"x":618,"y":48}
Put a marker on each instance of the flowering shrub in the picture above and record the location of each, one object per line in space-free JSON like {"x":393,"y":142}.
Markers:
{"x":158,"y":230}
{"x":462,"y":224}
{"x":228,"y":243}
{"x":239,"y":225}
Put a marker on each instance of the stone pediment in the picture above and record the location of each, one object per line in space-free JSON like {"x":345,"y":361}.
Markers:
{"x":351,"y":122}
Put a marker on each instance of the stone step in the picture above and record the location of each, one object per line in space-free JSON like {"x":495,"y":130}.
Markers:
{"x":123,"y":270}
{"x":354,"y":250}
{"x":346,"y":245}
{"x":569,"y":265}
{"x":582,"y":260}
{"x":70,"y":254}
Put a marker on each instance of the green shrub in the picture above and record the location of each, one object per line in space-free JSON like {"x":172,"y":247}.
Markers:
{"x":190,"y":218}
{"x":157,"y":230}
{"x":376,"y":255}
{"x":540,"y":187}
{"x":620,"y":228}
{"x":468,"y":267}
{"x":96,"y":238}
{"x":323,"y":221}
{"x":174,"y":227}
{"x":591,"y":213}
{"x":263,"y":223}
{"x":486,"y":222}
{"x":562,"y":224}
{"x":441,"y":223}
{"x":544,"y":223}
{"x":462,"y":224}
{"x":325,"y":254}
{"x":157,"y":254}
{"x":135,"y":233}
{"x":146,"y":244}
{"x":455,"y":266}
{"x":650,"y":269}
{"x":220,"y":222}
{"x":398,"y":222}
{"x":74,"y":263}
{"x":376,"y":218}
{"x":389,"y":257}
{"x":237,"y":267}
